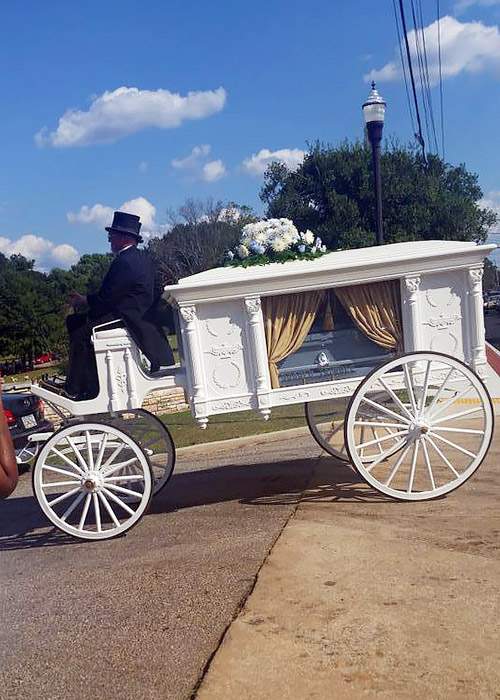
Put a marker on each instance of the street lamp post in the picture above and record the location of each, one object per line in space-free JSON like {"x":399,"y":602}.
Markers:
{"x":374,"y":113}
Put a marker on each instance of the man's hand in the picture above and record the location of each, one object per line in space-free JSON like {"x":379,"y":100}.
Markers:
{"x":76,"y":299}
{"x":8,"y":464}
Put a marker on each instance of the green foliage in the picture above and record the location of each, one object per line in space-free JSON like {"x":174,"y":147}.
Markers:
{"x":33,"y":304}
{"x":332,"y":194}
{"x":191,"y":248}
{"x":272,"y":257}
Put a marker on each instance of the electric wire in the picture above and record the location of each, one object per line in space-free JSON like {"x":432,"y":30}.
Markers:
{"x":440,"y":78}
{"x":426,"y":75}
{"x":405,"y":71}
{"x":419,"y":134}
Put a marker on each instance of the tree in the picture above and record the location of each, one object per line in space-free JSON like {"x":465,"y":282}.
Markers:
{"x":332,"y":194}
{"x":191,"y":248}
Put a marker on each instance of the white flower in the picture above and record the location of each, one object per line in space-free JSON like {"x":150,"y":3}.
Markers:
{"x":242,"y":251}
{"x":279,"y":245}
{"x":230,"y":254}
{"x":308,"y":237}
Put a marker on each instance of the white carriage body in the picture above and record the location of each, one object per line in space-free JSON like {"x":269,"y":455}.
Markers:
{"x":224,"y":367}
{"x":222,"y":327}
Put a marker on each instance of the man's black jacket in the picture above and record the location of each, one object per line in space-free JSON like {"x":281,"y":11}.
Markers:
{"x":127,"y":292}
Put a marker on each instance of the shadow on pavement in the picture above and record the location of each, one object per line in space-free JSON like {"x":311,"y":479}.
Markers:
{"x":259,"y":484}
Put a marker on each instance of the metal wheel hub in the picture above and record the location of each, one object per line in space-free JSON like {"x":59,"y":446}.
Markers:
{"x":92,"y":482}
{"x":419,"y":428}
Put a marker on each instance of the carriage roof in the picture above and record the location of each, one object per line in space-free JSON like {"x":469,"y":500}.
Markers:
{"x":342,"y":267}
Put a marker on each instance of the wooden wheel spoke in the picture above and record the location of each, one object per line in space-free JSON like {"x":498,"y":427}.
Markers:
{"x":411,"y":477}
{"x":395,"y":398}
{"x":385,"y":454}
{"x":72,"y":507}
{"x":120,"y":489}
{"x":443,"y":457}
{"x":68,"y":461}
{"x":85,"y":510}
{"x":64,"y":496}
{"x":453,"y":444}
{"x":450,"y":401}
{"x":77,"y":452}
{"x":462,"y":414}
{"x":57,"y":470}
{"x":114,"y":468}
{"x":102,"y":449}
{"x":382,"y":439}
{"x":117,"y":500}
{"x":397,"y":465}
{"x":97,"y":510}
{"x":428,"y":464}
{"x":409,"y":388}
{"x":388,"y":411}
{"x":108,"y":508}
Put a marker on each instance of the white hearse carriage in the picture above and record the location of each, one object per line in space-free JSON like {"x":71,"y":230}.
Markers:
{"x":384,"y":345}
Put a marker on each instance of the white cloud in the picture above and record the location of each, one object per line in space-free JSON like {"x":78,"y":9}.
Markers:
{"x":468,"y":47}
{"x":463,"y":5}
{"x":213,"y":170}
{"x":45,"y":253}
{"x":197,"y":166}
{"x":492,"y":201}
{"x":98,"y":214}
{"x":101,"y":215}
{"x":125,"y":111}
{"x":258,"y":162}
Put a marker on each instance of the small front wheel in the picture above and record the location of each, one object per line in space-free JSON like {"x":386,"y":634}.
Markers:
{"x":92,"y":481}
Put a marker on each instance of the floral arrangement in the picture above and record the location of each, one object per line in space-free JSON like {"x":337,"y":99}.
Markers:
{"x":274,"y":240}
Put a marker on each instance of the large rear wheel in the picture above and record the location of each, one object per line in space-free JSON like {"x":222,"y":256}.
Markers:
{"x":432,"y":422}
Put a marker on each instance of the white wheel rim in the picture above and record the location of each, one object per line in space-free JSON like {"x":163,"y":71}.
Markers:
{"x":92,"y":481}
{"x":441,"y":419}
{"x":325,"y":419}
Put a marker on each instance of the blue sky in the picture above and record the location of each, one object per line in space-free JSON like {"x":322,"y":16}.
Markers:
{"x":148,"y":103}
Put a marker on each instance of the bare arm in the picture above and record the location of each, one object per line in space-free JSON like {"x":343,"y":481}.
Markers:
{"x":8,"y":464}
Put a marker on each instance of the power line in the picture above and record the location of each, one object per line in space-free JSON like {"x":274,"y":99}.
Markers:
{"x":426,"y":73}
{"x":440,"y":77}
{"x":419,"y":135}
{"x":403,"y":64}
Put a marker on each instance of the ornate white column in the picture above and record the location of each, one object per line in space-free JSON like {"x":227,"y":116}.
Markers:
{"x":476,"y":320}
{"x":194,"y":366}
{"x":412,"y":339}
{"x":258,"y":351}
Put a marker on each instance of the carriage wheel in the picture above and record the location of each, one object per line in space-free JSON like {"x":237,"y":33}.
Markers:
{"x":440,"y":419}
{"x":325,"y":419}
{"x":154,"y":438}
{"x":92,"y":481}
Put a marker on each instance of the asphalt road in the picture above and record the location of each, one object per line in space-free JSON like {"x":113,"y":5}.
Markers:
{"x":140,"y":616}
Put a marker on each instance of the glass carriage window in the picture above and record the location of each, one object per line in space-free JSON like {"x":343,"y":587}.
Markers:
{"x":345,"y":338}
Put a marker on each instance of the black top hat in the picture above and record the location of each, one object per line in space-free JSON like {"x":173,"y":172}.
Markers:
{"x":126,"y":223}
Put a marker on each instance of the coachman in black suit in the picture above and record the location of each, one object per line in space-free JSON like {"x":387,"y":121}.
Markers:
{"x":127,"y":294}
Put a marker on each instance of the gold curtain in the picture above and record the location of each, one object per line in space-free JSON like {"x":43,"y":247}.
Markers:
{"x":287,"y":321}
{"x":376,"y":310}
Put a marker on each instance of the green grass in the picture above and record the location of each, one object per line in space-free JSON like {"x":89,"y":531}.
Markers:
{"x":30,"y":375}
{"x":185,"y":430}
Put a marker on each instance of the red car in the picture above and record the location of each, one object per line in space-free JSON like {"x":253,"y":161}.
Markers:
{"x":44,"y":358}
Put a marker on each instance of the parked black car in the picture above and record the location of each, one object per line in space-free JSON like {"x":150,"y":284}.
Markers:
{"x":25,"y":416}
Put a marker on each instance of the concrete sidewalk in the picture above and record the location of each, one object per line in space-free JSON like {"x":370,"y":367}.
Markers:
{"x":366,"y":597}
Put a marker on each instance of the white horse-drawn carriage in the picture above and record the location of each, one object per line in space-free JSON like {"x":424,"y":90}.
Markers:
{"x":384,"y":345}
